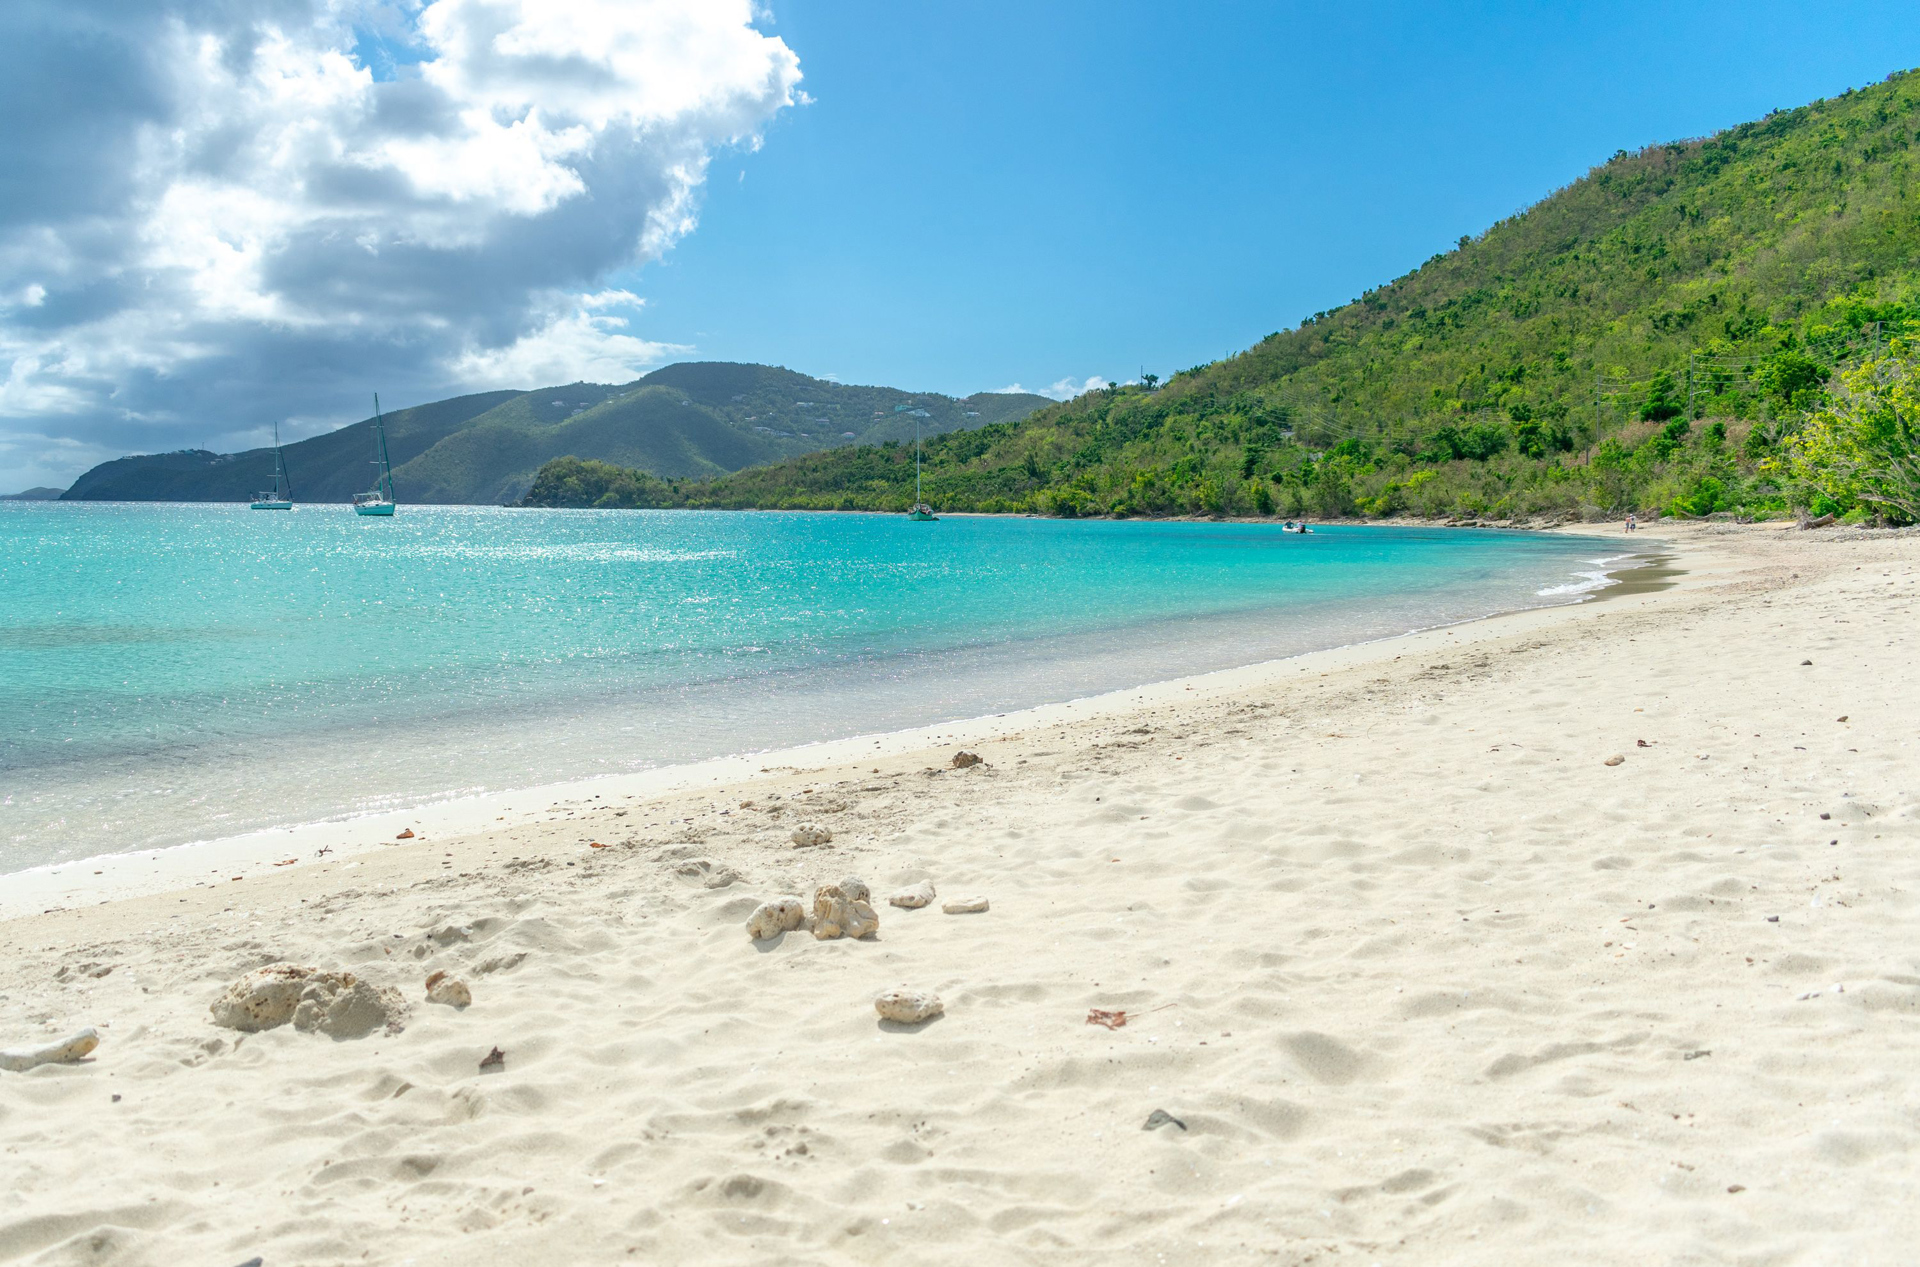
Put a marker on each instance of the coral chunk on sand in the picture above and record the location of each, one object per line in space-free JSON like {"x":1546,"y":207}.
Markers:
{"x":338,"y":1004}
{"x":835,"y":914}
{"x":342,"y":1005}
{"x":63,"y":1051}
{"x":450,"y":990}
{"x":807,"y":835}
{"x":781,"y":915}
{"x":263,"y":999}
{"x":909,"y":1007}
{"x":914,"y":896}
{"x":965,"y":906}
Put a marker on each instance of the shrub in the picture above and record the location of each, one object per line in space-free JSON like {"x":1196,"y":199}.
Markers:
{"x":1862,"y":446}
{"x":1705,"y":496}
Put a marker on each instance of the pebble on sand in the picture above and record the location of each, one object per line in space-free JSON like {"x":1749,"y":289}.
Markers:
{"x":338,"y":1004}
{"x":835,"y":914}
{"x":1615,"y":760}
{"x":914,"y":896}
{"x":64,"y":1051}
{"x":781,"y":915}
{"x":449,"y":990}
{"x":962,"y":760}
{"x":909,"y":1007}
{"x":807,"y":835}
{"x":965,"y":906}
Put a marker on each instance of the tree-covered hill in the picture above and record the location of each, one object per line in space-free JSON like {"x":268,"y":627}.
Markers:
{"x":330,"y":467}
{"x":1644,"y":338}
{"x":688,"y":420}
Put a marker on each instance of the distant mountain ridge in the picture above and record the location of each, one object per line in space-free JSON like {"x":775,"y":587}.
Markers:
{"x":692,"y":419}
{"x":41,"y":494}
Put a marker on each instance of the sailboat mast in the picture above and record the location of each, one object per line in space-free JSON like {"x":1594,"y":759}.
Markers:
{"x":282,"y":487}
{"x":380,"y":433}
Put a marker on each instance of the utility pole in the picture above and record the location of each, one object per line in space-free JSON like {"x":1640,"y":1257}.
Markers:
{"x":1594,"y":437}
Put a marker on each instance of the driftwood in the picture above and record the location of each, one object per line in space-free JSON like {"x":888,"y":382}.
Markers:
{"x":1821,"y":522}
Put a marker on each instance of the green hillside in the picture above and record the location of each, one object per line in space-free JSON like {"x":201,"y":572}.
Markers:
{"x":328,"y":468}
{"x":688,"y":420}
{"x":1644,"y":338}
{"x":491,"y":459}
{"x":789,"y":408}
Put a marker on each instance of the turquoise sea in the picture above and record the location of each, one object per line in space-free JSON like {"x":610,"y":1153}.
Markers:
{"x":171,"y":673}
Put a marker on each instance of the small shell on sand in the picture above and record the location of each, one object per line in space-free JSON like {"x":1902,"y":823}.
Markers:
{"x":338,"y":1004}
{"x":914,"y":896}
{"x":449,"y":990}
{"x":781,"y":915}
{"x":909,"y":1007}
{"x":965,"y":906}
{"x":835,"y":914}
{"x":66,"y":1050}
{"x":807,"y":835}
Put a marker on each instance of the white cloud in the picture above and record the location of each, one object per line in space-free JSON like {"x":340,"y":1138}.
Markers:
{"x":581,"y":341}
{"x":211,"y":213}
{"x":1064,"y":389}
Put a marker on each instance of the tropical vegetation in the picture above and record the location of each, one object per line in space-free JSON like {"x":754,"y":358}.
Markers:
{"x":1718,"y":325}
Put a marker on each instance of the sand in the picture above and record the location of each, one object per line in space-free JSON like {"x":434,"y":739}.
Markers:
{"x":1419,"y":976}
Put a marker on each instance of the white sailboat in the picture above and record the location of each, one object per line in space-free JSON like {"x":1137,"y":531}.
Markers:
{"x":281,"y":498}
{"x":378,"y":501}
{"x":920,"y":512}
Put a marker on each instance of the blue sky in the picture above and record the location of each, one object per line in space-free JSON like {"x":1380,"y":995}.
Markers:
{"x":993,"y":193}
{"x":218,"y":216}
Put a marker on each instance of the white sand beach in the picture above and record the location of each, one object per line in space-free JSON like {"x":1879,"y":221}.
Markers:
{"x":1422,"y":973}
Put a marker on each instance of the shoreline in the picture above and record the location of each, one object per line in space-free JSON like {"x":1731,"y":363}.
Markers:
{"x":110,"y":877}
{"x":137,"y":776}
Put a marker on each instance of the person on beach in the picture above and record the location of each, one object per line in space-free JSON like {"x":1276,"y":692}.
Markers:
{"x":1631,"y":524}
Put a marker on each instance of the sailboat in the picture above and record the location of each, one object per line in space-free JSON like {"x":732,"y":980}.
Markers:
{"x":281,"y":498}
{"x":379,"y":501}
{"x":919,"y":512}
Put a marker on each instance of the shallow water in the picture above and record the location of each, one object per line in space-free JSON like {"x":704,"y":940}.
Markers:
{"x":176,"y":672}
